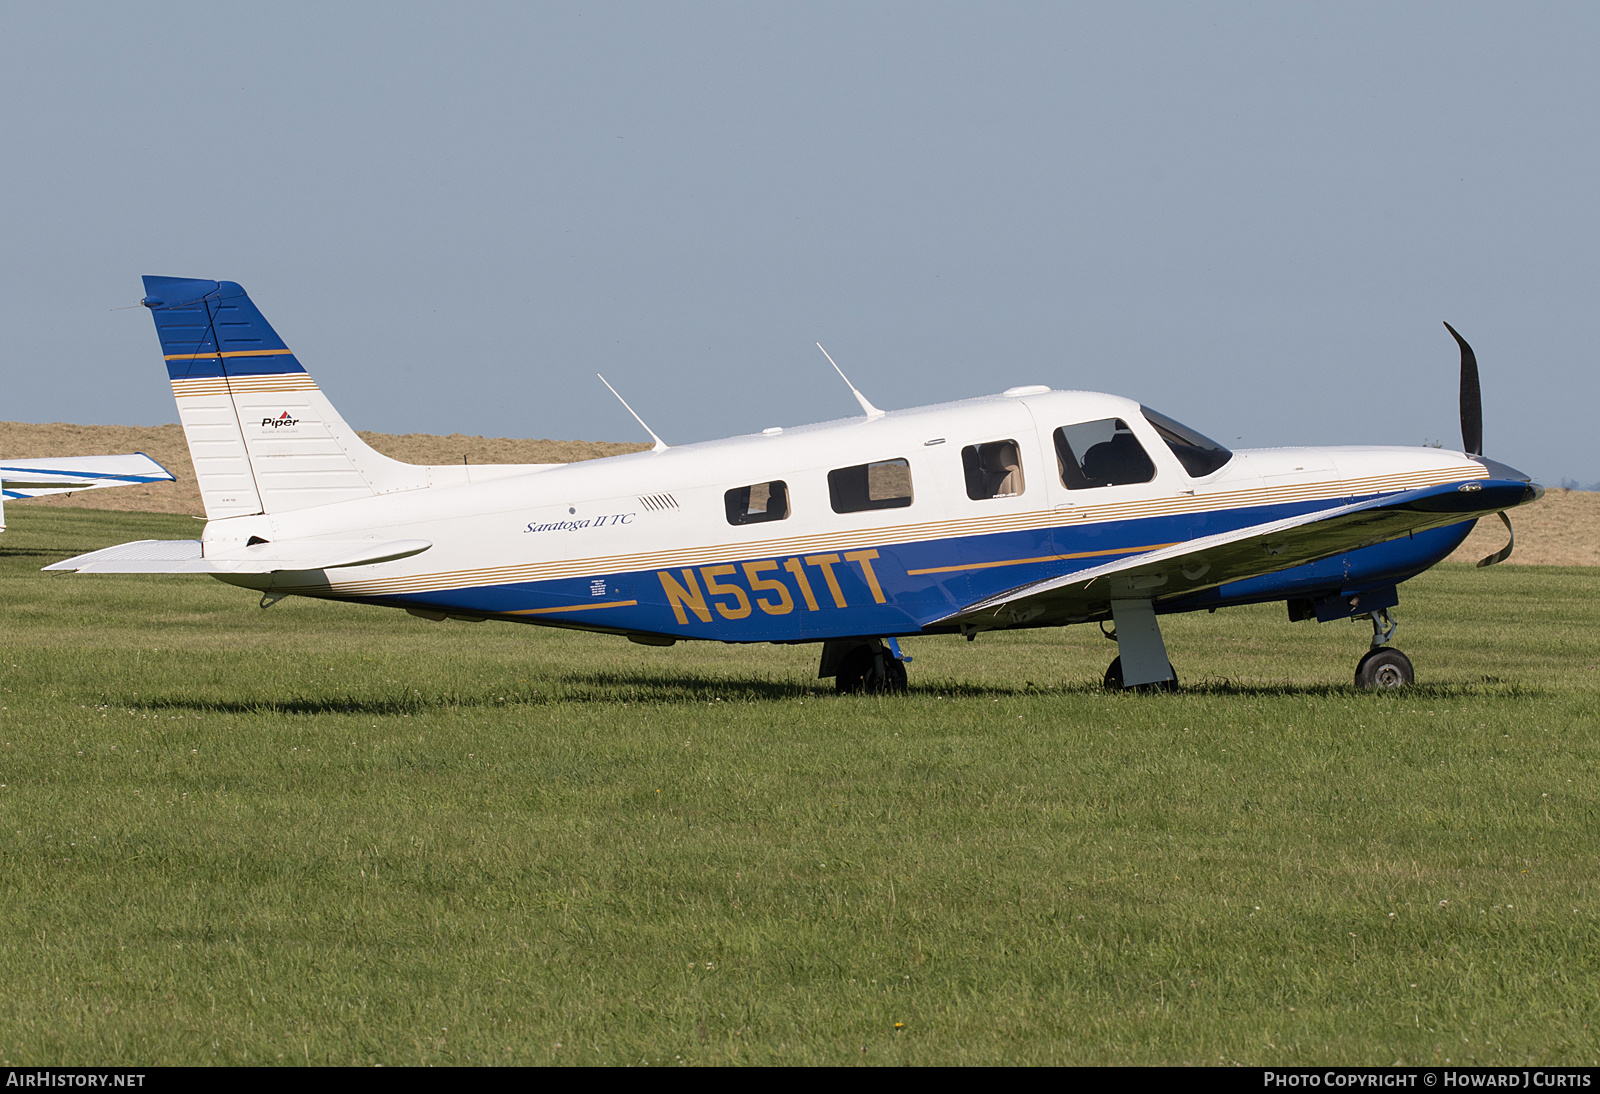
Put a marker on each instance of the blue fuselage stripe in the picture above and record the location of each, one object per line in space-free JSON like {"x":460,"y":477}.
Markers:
{"x":741,"y":603}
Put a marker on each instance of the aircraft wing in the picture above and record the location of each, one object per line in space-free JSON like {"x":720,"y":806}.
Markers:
{"x":186,"y":556}
{"x":1188,"y":568}
{"x":32,"y":478}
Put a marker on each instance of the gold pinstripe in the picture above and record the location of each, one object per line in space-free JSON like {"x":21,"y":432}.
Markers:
{"x":229,"y":353}
{"x":235,"y":385}
{"x":913,"y":533}
{"x":572,"y":608}
{"x":1041,"y":558}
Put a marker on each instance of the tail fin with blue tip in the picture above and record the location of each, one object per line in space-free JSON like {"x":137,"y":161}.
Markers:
{"x":263,"y":437}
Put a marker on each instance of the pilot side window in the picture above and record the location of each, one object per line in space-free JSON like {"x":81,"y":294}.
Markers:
{"x":882,"y":485}
{"x":993,"y":470}
{"x":1102,"y":453}
{"x":757,"y":504}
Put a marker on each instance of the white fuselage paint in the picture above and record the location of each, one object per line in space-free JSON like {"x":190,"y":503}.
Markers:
{"x":662,"y":509}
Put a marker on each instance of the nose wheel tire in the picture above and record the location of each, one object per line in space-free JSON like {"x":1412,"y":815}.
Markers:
{"x":1385,"y":668}
{"x":1114,"y":680}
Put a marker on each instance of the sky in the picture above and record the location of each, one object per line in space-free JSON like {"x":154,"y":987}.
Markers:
{"x":1253,"y":217}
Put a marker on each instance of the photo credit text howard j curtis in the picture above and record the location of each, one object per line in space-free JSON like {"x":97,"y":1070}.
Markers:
{"x":1429,"y":1078}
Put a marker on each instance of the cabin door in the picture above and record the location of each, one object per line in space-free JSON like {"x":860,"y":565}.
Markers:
{"x":1106,"y":491}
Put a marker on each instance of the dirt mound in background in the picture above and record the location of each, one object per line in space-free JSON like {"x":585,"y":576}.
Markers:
{"x":165,"y":445}
{"x":1563,"y":529}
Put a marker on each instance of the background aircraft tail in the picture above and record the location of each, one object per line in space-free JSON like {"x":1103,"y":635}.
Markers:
{"x":263,"y":437}
{"x":35,"y":477}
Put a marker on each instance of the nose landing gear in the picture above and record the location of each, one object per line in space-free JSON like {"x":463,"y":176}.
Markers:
{"x":1382,"y":666}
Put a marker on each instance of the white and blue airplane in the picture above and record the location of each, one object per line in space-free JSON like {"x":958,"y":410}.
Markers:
{"x":1030,"y":508}
{"x":34,"y":478}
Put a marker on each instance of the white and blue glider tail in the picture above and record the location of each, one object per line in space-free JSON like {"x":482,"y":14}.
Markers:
{"x":34,"y":478}
{"x":263,"y":437}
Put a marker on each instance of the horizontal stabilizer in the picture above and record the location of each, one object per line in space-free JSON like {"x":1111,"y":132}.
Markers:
{"x":187,"y":556}
{"x":32,"y":478}
{"x":145,"y":556}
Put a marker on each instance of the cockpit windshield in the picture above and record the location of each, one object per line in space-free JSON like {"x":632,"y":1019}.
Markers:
{"x":1199,"y":454}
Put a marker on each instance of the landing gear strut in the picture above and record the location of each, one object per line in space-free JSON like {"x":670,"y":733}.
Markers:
{"x":1382,"y":666}
{"x":1141,"y":663}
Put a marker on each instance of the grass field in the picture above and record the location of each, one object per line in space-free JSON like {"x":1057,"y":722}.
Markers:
{"x":330,"y":834}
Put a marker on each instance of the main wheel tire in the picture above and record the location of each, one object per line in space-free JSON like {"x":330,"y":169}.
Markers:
{"x":1114,"y":679}
{"x":851,"y":679}
{"x":859,"y":673}
{"x":1384,"y":668}
{"x":894,"y":682}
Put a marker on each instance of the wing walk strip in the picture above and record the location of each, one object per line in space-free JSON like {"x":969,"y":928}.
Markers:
{"x":913,"y":533}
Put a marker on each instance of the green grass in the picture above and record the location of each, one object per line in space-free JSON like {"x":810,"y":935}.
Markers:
{"x":338,"y":834}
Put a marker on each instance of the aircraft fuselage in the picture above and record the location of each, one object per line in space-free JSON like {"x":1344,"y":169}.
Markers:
{"x":647,"y":544}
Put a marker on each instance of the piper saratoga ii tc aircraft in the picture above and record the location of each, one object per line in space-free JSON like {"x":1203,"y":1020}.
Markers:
{"x":34,"y":478}
{"x":1030,"y":508}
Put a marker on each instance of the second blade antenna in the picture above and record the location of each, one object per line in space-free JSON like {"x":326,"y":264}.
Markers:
{"x":661,"y":445}
{"x":871,"y":411}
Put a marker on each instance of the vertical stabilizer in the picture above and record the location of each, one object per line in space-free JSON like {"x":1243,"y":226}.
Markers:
{"x":263,"y":437}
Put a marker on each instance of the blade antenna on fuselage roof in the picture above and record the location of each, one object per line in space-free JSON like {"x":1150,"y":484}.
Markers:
{"x":661,"y":445}
{"x":871,"y":411}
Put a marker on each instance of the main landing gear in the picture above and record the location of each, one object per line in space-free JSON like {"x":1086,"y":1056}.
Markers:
{"x":871,"y":666}
{"x":1141,"y":663}
{"x":1383,"y":666}
{"x":1114,"y":679}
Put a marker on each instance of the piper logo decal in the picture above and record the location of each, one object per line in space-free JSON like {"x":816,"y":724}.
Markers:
{"x":280,"y":421}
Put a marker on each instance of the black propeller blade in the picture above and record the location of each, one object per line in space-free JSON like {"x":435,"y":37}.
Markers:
{"x":1471,"y":398}
{"x":1472,"y":440}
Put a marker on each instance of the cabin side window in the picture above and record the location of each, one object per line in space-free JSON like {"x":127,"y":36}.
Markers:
{"x":993,"y":470}
{"x":1199,"y":454}
{"x":757,"y":504}
{"x":882,"y":485}
{"x":1102,"y":453}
